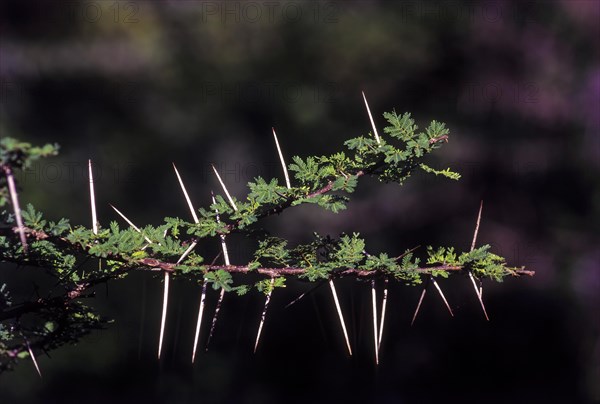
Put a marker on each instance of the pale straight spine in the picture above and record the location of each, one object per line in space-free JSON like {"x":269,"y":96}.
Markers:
{"x":340,"y":315}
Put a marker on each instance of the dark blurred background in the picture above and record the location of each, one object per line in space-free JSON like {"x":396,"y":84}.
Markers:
{"x":135,"y":85}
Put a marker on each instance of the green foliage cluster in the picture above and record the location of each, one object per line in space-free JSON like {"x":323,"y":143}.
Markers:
{"x":59,"y":247}
{"x":15,"y":155}
{"x":481,"y":262}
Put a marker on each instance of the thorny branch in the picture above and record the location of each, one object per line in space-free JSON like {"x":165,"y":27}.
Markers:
{"x":155,"y":264}
{"x":67,"y":302}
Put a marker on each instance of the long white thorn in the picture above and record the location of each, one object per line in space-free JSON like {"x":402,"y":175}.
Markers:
{"x":187,"y":197}
{"x":225,"y":250}
{"x":439,"y":289}
{"x":163,"y":319}
{"x":383,"y":306}
{"x":283,"y":166}
{"x":203,"y":298}
{"x":166,"y":286}
{"x":375,"y":338}
{"x":477,"y":226}
{"x":215,"y":316}
{"x":478,"y":290}
{"x":303,"y":294}
{"x":371,"y":118}
{"x":225,"y":189}
{"x":33,"y":358}
{"x":419,"y":305}
{"x":14,"y":197}
{"x":296,"y":300}
{"x":92,"y":198}
{"x":264,"y":314}
{"x":222,"y":294}
{"x":339,"y":310}
{"x":129,"y":222}
{"x":93,"y":204}
{"x":222,"y":237}
{"x":199,"y":323}
{"x":186,"y":252}
{"x":479,"y":294}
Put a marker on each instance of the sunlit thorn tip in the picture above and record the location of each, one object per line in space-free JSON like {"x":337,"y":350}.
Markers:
{"x":477,"y":226}
{"x":186,"y":252}
{"x":224,"y":188}
{"x":371,"y":118}
{"x":478,"y":290}
{"x":33,"y":359}
{"x":14,"y":197}
{"x":222,"y":237}
{"x":375,"y":338}
{"x":222,"y":293}
{"x":439,"y":289}
{"x":163,"y":319}
{"x":215,"y":317}
{"x":93,"y":198}
{"x":295,"y":300}
{"x":419,"y":305}
{"x":479,"y":294}
{"x":129,"y":222}
{"x":264,"y":314}
{"x":302,"y":295}
{"x":283,"y":166}
{"x":383,"y":307}
{"x":339,"y":310}
{"x":185,"y":194}
{"x":199,"y":323}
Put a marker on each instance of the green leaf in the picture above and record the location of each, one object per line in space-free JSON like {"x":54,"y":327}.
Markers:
{"x":220,"y":279}
{"x":446,"y":173}
{"x":401,"y":127}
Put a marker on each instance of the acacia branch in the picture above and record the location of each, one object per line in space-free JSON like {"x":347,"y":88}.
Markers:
{"x":298,"y":271}
{"x":317,"y":177}
{"x":153,"y":263}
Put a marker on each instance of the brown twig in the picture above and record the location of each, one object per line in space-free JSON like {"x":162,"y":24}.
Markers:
{"x":152,"y":263}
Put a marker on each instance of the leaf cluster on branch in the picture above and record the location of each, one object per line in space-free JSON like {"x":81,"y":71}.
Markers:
{"x":59,"y":248}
